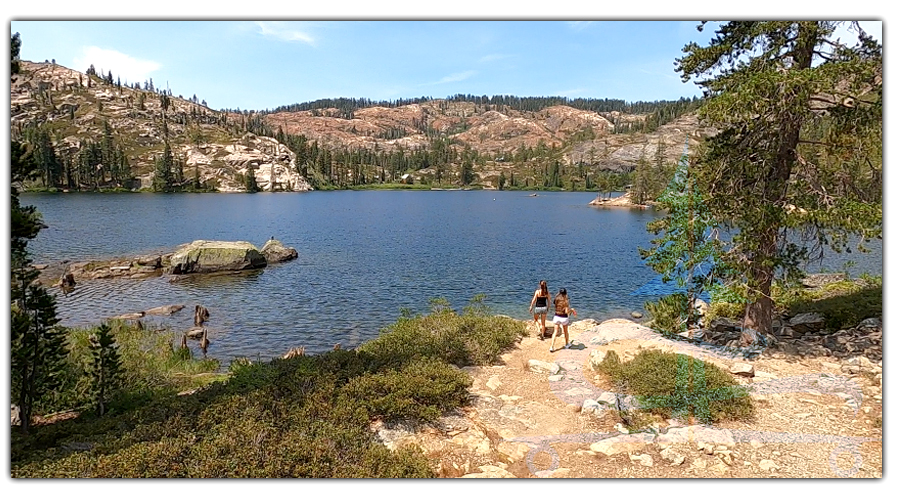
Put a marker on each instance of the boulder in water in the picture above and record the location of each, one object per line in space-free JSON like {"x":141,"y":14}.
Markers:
{"x":276,"y":252}
{"x":164,"y":310}
{"x":216,"y":256}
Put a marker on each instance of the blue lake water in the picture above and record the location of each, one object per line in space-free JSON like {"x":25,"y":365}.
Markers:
{"x":364,"y":256}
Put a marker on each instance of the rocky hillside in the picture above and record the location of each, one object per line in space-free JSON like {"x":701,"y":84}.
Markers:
{"x":582,"y":136}
{"x":218,"y":150}
{"x":72,"y":107}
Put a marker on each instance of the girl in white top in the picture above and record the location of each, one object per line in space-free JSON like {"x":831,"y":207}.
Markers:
{"x":561,"y":318}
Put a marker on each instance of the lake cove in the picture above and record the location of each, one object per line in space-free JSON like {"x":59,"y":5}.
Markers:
{"x":363,"y":257}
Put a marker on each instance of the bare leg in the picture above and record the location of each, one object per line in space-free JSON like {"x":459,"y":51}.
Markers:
{"x":566,"y":332}
{"x":553,"y":339}
{"x":543,"y":324}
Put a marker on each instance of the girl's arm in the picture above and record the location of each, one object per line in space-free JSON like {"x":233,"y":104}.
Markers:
{"x":533,"y":299}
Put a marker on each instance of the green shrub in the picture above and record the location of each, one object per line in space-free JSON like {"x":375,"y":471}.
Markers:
{"x":611,"y":365}
{"x":678,"y":385}
{"x":149,"y":365}
{"x":725,"y":301}
{"x":669,"y":313}
{"x":843,"y":304}
{"x":305,"y":416}
{"x":462,"y":340}
{"x":421,"y":390}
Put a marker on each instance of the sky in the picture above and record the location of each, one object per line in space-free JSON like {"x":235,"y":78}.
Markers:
{"x":265,"y":64}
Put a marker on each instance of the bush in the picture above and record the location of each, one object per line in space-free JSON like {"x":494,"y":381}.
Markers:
{"x":843,"y":304}
{"x":421,"y":390}
{"x":679,"y":385}
{"x":474,"y":338}
{"x":725,"y":301}
{"x":305,"y":416}
{"x":669,"y":313}
{"x":148,"y":366}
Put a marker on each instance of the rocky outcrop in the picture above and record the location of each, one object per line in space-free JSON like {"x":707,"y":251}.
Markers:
{"x":200,"y":137}
{"x":819,"y":280}
{"x":620,"y":201}
{"x":216,"y":256}
{"x":225,"y":165}
{"x":802,"y":335}
{"x":164,"y":310}
{"x":276,"y":252}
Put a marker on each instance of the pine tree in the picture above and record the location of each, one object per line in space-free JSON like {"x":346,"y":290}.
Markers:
{"x":15,"y":44}
{"x":799,"y":117}
{"x":250,"y":180}
{"x":640,"y":185}
{"x":106,"y":367}
{"x":162,"y":174}
{"x":37,"y":342}
{"x":689,"y":247}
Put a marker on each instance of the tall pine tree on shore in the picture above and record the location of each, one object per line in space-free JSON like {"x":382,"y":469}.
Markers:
{"x":799,"y":115}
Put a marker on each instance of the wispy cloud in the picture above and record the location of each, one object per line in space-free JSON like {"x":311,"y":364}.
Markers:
{"x":281,"y":30}
{"x":579,"y":25}
{"x":456,"y":77}
{"x":493,"y":57}
{"x":121,"y":65}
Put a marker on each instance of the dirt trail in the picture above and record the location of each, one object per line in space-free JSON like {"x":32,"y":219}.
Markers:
{"x":815,"y":417}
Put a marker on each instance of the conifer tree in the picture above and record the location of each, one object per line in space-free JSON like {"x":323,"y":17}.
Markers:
{"x":250,"y":180}
{"x":162,"y":175}
{"x":799,"y":116}
{"x":15,"y":44}
{"x":106,"y":367}
{"x":689,"y":248}
{"x":37,"y":342}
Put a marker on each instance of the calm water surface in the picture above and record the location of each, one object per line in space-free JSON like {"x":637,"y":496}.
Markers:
{"x":364,"y":256}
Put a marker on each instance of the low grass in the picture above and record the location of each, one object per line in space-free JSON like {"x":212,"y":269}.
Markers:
{"x":843,"y":304}
{"x":677,"y":385}
{"x":150,"y":365}
{"x":307,"y":416}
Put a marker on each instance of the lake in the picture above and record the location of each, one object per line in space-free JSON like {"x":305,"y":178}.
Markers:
{"x":364,"y":256}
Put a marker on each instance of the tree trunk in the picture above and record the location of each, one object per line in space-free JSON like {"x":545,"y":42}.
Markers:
{"x":758,"y":315}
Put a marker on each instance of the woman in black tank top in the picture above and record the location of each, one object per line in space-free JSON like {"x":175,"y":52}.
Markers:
{"x":540,"y":303}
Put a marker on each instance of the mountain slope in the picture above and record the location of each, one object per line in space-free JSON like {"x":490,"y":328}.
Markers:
{"x":72,"y":108}
{"x":434,"y":140}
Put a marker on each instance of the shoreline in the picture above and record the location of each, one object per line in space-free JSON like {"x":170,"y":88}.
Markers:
{"x":398,"y":187}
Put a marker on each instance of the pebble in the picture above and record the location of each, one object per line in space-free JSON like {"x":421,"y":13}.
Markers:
{"x":767,"y":465}
{"x":645,"y":460}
